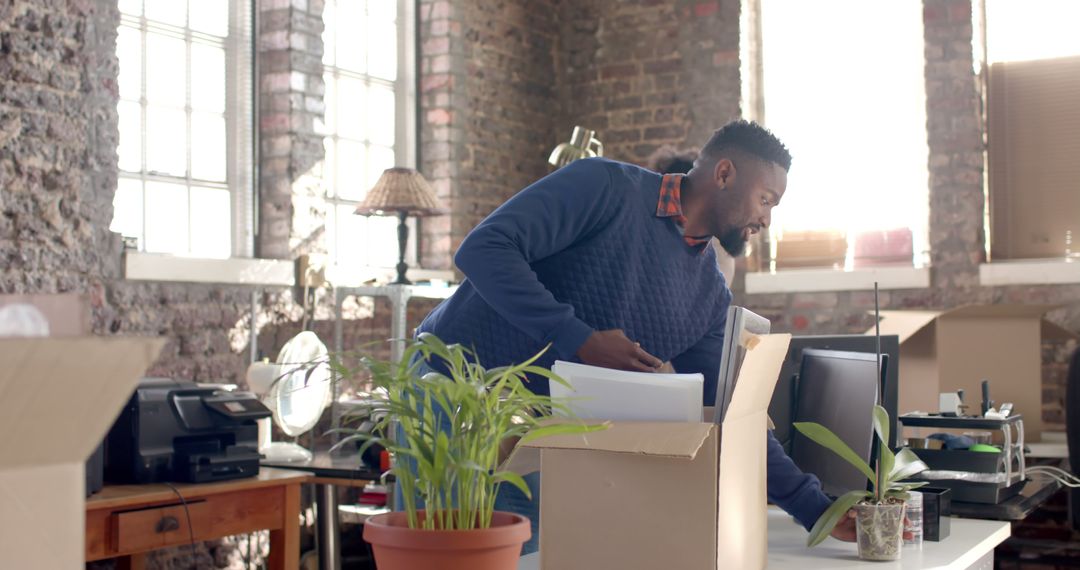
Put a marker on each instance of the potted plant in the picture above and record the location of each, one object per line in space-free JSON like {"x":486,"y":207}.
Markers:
{"x":446,"y":452}
{"x":879,"y":513}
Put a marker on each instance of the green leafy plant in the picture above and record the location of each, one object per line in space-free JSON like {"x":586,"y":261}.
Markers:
{"x":446,"y":450}
{"x":886,"y":479}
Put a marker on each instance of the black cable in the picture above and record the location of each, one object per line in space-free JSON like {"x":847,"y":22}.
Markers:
{"x":191,"y":530}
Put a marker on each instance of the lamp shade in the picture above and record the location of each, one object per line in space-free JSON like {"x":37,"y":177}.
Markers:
{"x":401,"y":190}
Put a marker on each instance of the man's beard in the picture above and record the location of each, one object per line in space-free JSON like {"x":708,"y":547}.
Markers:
{"x":732,"y":241}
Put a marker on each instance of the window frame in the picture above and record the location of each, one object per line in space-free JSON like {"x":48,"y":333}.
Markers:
{"x":763,"y":276}
{"x":239,"y":107}
{"x":405,"y":142}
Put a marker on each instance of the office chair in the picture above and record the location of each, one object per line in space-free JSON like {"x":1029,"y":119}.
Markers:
{"x":1072,"y":433}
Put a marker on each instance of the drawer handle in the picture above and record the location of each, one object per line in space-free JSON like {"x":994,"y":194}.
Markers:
{"x":167,"y":524}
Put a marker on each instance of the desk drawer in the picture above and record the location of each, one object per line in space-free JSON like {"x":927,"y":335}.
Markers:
{"x":212,"y":516}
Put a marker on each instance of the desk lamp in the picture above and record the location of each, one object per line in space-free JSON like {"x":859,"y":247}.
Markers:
{"x":583,"y":144}
{"x":403,"y":191}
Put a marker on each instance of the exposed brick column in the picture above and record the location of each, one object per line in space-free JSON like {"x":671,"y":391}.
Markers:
{"x":954,"y":136}
{"x":291,"y":88}
{"x":487,"y":102}
{"x":645,"y":73}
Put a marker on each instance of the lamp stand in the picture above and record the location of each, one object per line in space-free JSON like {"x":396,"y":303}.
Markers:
{"x":402,"y":240}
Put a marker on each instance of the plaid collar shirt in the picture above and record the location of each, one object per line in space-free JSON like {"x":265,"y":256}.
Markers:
{"x":670,"y":206}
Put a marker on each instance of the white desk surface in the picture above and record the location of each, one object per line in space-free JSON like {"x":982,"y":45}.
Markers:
{"x":968,"y":541}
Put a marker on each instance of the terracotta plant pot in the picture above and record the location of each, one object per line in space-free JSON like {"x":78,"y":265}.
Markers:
{"x":398,"y":547}
{"x":879,"y":530}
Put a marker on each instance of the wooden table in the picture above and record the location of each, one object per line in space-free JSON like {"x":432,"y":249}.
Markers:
{"x":129,"y":520}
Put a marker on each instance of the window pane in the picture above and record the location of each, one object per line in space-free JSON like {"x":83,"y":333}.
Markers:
{"x":351,"y":103}
{"x":165,"y":70}
{"x":380,"y":115}
{"x":329,"y":165}
{"x":329,"y":32}
{"x":168,"y":11}
{"x":383,"y":11}
{"x":133,"y":7}
{"x":128,"y":209}
{"x":379,"y":159}
{"x":166,"y":141}
{"x":209,"y":16}
{"x":350,"y":46}
{"x":210,"y":226}
{"x":129,"y":51}
{"x":350,"y":170}
{"x":1035,"y":29}
{"x":207,"y":78}
{"x":886,"y":94}
{"x":365,"y":240}
{"x":166,"y":217}
{"x":382,"y":50}
{"x":130,"y":147}
{"x":208,"y":147}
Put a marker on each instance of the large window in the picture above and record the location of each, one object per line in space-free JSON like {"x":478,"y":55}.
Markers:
{"x":185,"y":184}
{"x":369,"y":122}
{"x":843,"y":87}
{"x":1033,"y":123}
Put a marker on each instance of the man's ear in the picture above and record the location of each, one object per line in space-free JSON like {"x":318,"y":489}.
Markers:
{"x":724,"y":172}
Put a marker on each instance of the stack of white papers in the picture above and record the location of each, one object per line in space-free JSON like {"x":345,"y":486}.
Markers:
{"x":606,"y":394}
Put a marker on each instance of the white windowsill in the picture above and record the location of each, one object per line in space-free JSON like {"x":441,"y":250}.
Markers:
{"x":1030,"y":272}
{"x":813,"y":280}
{"x":141,"y":266}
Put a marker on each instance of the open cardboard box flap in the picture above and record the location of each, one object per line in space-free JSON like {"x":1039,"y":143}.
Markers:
{"x":906,"y":324}
{"x":58,"y":396}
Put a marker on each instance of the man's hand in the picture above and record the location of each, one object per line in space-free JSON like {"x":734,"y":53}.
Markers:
{"x":611,"y":349}
{"x":845,"y":529}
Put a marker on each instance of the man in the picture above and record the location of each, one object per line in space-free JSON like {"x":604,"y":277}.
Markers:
{"x":609,"y":263}
{"x":668,"y":160}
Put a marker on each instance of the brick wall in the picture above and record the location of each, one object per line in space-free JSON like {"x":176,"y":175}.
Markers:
{"x":487,"y":97}
{"x":503,"y":82}
{"x":644,"y":73}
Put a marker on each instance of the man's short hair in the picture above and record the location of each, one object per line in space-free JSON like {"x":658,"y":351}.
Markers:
{"x":748,"y":137}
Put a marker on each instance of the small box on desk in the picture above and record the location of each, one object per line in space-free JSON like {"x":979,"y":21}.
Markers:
{"x":642,"y":494}
{"x":937,"y":511}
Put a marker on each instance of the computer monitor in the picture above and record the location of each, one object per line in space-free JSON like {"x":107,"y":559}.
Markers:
{"x":837,"y":390}
{"x":741,"y":322}
{"x":782,"y":406}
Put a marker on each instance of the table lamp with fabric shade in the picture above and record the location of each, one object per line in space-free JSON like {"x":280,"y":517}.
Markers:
{"x":403,"y":191}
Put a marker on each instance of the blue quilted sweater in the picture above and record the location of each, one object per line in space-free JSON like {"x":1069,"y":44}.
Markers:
{"x":583,"y":250}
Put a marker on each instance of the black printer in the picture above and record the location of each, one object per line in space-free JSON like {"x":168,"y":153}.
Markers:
{"x":173,"y":430}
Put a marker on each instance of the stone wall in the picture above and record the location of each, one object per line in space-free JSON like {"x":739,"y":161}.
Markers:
{"x":58,"y":142}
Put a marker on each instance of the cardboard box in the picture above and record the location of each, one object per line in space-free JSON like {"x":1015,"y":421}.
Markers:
{"x":943,"y":351}
{"x":664,"y":494}
{"x":58,"y":397}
